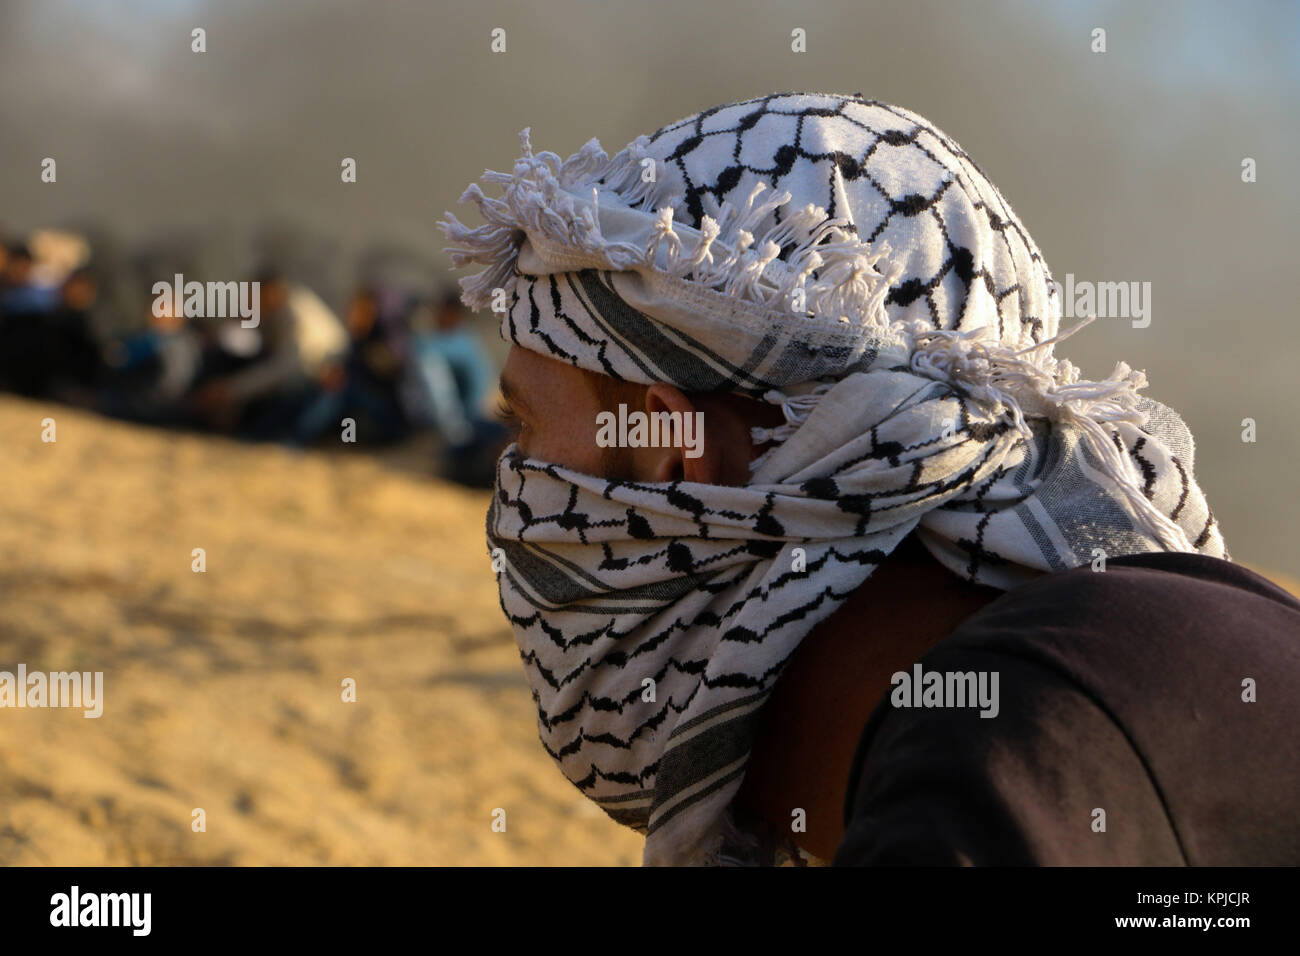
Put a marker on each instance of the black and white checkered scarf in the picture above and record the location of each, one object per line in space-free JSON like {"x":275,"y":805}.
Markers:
{"x":846,"y":260}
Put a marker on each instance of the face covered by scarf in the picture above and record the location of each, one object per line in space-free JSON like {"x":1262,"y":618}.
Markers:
{"x":843,"y":259}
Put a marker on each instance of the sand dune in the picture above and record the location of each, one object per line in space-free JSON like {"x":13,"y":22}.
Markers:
{"x":223,"y":688}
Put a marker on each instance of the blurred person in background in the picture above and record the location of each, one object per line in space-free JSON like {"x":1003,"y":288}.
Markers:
{"x":458,"y":376}
{"x":147,"y":375}
{"x":20,"y":291}
{"x":364,"y":382}
{"x":25,"y":308}
{"x":300,"y":340}
{"x":76,"y":363}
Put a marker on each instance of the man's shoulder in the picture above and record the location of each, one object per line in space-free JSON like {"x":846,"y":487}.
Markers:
{"x":1162,"y":691}
{"x":1174,"y":619}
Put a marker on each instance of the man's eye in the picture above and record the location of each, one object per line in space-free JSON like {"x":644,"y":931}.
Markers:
{"x":508,"y":417}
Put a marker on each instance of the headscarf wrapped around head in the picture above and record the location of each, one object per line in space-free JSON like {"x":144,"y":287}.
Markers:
{"x":847,"y":261}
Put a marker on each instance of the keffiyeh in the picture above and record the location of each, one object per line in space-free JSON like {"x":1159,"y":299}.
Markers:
{"x":847,"y":261}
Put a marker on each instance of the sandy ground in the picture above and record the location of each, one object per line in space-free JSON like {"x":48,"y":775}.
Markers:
{"x":223,"y":689}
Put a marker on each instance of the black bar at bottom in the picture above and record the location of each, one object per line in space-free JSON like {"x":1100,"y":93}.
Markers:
{"x":332,"y":905}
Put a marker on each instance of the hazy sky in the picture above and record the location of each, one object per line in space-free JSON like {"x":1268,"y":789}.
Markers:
{"x":1124,"y":165}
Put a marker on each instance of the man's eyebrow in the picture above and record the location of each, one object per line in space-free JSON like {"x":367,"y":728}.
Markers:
{"x":511,"y":394}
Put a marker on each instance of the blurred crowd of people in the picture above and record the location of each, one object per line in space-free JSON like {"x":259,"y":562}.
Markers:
{"x":395,"y":363}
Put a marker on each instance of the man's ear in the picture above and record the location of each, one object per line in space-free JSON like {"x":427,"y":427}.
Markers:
{"x":696,"y":454}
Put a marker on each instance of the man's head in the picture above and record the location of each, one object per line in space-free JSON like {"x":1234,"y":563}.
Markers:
{"x":18,"y":265}
{"x":450,"y":314}
{"x":363,"y":312}
{"x":80,"y":289}
{"x":272,"y":291}
{"x":555,"y":409}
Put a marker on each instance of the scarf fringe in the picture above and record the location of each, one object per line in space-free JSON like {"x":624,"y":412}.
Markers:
{"x":828,"y":272}
{"x":1032,"y":382}
{"x":1027,"y":382}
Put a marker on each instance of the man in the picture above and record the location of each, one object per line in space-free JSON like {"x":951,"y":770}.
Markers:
{"x":25,"y":308}
{"x":920,"y":594}
{"x":457,"y":375}
{"x":20,"y":291}
{"x":76,"y":353}
{"x":301,"y":342}
{"x":365,"y":382}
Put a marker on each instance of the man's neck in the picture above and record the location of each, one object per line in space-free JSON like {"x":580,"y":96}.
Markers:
{"x":813,"y":721}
